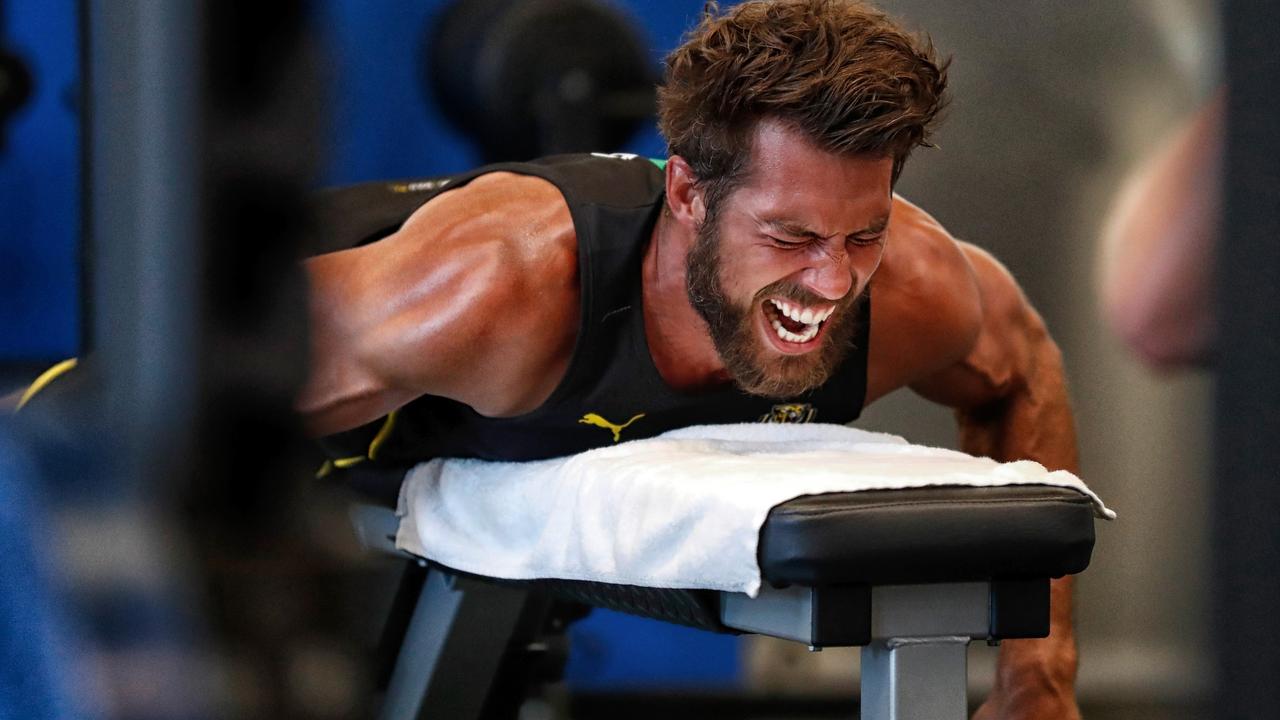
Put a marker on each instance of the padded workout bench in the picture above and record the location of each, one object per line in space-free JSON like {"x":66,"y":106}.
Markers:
{"x":912,"y":576}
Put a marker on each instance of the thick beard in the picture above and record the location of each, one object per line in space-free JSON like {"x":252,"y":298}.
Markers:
{"x":756,"y":370}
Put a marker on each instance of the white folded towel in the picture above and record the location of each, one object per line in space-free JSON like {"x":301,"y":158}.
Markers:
{"x":680,"y":510}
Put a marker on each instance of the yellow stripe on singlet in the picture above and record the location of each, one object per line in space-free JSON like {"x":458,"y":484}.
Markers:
{"x":381,"y":438}
{"x":45,"y":378}
{"x":374,"y":446}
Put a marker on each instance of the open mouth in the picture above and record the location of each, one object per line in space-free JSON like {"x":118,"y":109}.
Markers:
{"x":793,"y":323}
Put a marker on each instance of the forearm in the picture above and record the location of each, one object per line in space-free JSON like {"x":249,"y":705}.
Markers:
{"x":1030,"y":421}
{"x":1033,"y":423}
{"x":1048,"y":664}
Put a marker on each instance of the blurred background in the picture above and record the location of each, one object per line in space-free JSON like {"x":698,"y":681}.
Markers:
{"x":1054,"y":104}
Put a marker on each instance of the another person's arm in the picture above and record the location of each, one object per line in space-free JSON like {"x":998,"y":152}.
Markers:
{"x":1158,"y":246}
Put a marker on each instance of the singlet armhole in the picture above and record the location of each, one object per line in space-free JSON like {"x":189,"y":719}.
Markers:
{"x":576,"y":373}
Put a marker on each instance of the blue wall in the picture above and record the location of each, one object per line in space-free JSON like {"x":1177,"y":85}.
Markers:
{"x":39,"y":190}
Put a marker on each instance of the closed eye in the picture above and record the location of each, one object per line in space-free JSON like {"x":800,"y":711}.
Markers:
{"x":868,"y":240}
{"x":787,"y":244}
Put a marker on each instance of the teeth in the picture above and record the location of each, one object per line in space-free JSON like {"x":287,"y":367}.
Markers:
{"x":808,"y":316}
{"x":789,"y":336}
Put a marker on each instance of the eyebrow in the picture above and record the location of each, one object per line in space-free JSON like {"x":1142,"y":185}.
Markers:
{"x":795,"y":229}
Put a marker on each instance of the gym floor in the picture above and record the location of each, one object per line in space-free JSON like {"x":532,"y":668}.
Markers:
{"x":749,"y":707}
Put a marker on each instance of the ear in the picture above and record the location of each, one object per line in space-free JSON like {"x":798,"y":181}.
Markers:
{"x":684,"y":197}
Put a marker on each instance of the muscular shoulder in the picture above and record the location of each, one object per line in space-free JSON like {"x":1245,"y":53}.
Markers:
{"x":926,"y":302}
{"x":475,"y":298}
{"x":504,"y":290}
{"x":516,"y":227}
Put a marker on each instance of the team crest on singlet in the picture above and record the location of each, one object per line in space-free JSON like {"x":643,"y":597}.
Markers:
{"x":790,"y":413}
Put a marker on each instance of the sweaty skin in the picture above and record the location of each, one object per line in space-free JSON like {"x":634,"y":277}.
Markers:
{"x":476,"y":299}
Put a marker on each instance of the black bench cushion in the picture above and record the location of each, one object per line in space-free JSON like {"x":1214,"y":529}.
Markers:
{"x":941,"y":534}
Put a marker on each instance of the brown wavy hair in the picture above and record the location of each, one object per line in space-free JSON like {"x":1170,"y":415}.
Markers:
{"x":840,"y":71}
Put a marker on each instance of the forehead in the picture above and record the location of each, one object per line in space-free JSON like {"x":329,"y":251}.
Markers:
{"x":792,"y":177}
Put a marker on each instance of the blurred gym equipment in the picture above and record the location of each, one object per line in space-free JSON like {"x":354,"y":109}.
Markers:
{"x":526,"y":78}
{"x":15,"y":82}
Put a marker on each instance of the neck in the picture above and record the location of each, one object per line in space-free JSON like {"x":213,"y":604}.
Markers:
{"x":678,"y":337}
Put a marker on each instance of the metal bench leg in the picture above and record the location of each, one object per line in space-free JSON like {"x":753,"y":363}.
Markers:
{"x":914,"y":665}
{"x":454,"y":646}
{"x":915,"y":679}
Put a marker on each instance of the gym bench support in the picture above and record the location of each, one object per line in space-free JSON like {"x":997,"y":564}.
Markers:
{"x":450,"y":664}
{"x":914,"y":637}
{"x":906,"y":575}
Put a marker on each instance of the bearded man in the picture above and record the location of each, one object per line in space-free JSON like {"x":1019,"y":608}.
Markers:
{"x":764,"y":271}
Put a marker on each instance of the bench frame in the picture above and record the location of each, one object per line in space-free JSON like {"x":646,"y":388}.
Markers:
{"x":466,"y":634}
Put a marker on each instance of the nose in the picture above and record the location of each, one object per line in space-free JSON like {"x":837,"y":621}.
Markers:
{"x":831,"y":274}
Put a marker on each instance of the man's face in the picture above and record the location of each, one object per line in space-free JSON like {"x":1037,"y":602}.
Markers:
{"x":778,"y":271}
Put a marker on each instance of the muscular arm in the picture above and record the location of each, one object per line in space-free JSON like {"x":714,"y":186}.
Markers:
{"x":1008,"y":391}
{"x":1011,"y":403}
{"x":953,"y":325}
{"x":474,"y":299}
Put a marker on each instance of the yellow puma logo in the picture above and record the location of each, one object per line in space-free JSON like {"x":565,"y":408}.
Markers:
{"x":594,"y":419}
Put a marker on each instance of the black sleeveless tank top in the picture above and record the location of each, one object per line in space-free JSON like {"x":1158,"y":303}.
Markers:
{"x":611,"y":391}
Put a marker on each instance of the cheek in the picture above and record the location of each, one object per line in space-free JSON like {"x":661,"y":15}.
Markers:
{"x":771,"y":266}
{"x":746,"y":273}
{"x":865,"y":261}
